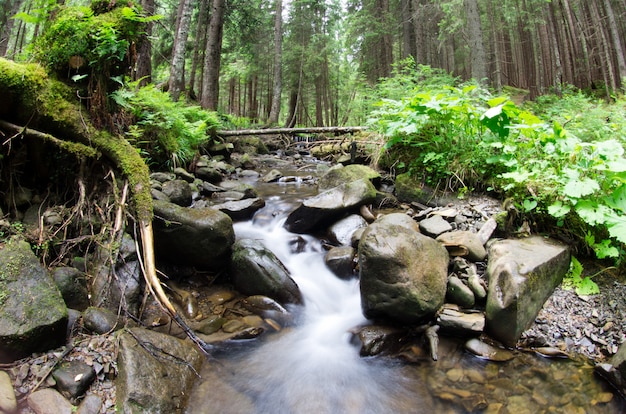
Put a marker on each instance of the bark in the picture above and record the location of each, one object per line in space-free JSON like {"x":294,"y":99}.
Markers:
{"x":477,"y":49}
{"x":199,"y":45}
{"x":177,"y":70}
{"x":210,"y":89}
{"x":618,"y":50}
{"x":143,"y":66}
{"x":278,"y":62}
{"x":9,"y":9}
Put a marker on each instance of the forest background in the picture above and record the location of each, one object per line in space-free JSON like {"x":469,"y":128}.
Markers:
{"x":520,"y":97}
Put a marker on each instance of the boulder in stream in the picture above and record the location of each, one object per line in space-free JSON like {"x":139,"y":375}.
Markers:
{"x":330,"y":205}
{"x":522,"y":274}
{"x":403,"y":273}
{"x":33,"y":315}
{"x":339,"y":174}
{"x":255,"y":270}
{"x":156,"y":372}
{"x":200,"y":237}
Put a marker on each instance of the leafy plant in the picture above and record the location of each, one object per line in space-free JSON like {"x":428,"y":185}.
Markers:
{"x":574,"y":279}
{"x":167,"y":132}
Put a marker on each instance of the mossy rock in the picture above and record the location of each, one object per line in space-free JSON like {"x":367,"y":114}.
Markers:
{"x":339,"y":175}
{"x":33,"y":316}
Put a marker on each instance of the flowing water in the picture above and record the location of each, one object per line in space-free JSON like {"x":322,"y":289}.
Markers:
{"x":314,"y":367}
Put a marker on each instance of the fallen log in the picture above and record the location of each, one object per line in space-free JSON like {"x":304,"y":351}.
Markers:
{"x":292,"y":131}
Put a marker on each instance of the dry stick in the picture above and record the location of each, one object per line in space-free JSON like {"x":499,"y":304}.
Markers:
{"x":149,"y":271}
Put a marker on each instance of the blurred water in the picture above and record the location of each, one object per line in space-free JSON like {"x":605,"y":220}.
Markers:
{"x":313,"y":367}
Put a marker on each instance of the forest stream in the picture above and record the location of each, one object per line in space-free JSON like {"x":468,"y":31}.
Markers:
{"x":314,"y":366}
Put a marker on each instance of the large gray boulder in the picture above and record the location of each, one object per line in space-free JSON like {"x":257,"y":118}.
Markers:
{"x":240,"y":209}
{"x":522,"y":274}
{"x":33,"y":316}
{"x":339,"y":175}
{"x":200,"y":237}
{"x":155,"y":372}
{"x":403,"y":273}
{"x":329,"y":205}
{"x":255,"y":270}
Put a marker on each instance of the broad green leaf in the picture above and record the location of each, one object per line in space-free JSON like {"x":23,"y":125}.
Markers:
{"x":529,"y":205}
{"x":558,"y":209}
{"x":617,"y":166}
{"x":617,"y":227}
{"x":580,"y":188}
{"x":605,"y":249}
{"x":587,"y":287}
{"x":617,"y":199}
{"x":494,"y":111}
{"x":591,"y":212}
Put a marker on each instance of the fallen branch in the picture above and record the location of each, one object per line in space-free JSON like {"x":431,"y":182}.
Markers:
{"x":292,"y":131}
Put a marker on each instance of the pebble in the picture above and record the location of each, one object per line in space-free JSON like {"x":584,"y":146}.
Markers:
{"x":8,"y":403}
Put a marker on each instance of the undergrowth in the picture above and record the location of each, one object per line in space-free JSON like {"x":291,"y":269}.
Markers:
{"x":168,"y":133}
{"x":559,"y":157}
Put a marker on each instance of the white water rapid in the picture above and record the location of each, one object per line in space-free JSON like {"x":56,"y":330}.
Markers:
{"x":311,"y":367}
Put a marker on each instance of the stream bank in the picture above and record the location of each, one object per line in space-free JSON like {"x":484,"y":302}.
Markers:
{"x":581,"y":325}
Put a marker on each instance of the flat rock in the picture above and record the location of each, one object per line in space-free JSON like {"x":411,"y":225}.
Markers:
{"x":49,"y":401}
{"x":453,"y":320}
{"x":486,"y":351}
{"x":434,"y":226}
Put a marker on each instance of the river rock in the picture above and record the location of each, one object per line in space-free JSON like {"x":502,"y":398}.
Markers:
{"x":118,"y":286}
{"x":434,"y":226}
{"x":455,"y":321}
{"x":242,"y":209}
{"x":156,"y":372}
{"x":378,"y":339}
{"x":178,"y":192}
{"x":327,"y":206}
{"x":342,"y":231}
{"x":339,"y":174}
{"x":218,"y":390}
{"x":255,"y":270}
{"x":403,"y":273}
{"x":49,"y":401}
{"x":200,"y":237}
{"x":459,"y":293}
{"x":100,"y":320}
{"x":469,"y":242}
{"x":486,"y":351}
{"x":33,"y":315}
{"x":615,"y":370}
{"x":340,"y":260}
{"x":522,"y":274}
{"x":73,"y":378}
{"x":183,"y":174}
{"x":91,"y":404}
{"x":272,"y":176}
{"x":8,"y":402}
{"x":72,"y":284}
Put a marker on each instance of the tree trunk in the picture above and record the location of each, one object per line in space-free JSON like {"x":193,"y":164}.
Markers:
{"x":177,"y":70}
{"x":278,"y":62}
{"x":143,"y":67}
{"x":211,"y":86}
{"x":199,"y":45}
{"x":475,"y":34}
{"x":618,"y":49}
{"x":8,"y":10}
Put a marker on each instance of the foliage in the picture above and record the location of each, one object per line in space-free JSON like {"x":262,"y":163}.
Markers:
{"x":462,"y":133}
{"x":166,"y":131}
{"x":440,"y":127}
{"x":97,"y":38}
{"x":574,"y":280}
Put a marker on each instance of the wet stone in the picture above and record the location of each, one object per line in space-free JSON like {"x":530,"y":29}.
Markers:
{"x":486,"y":351}
{"x":73,"y":378}
{"x":99,"y":320}
{"x":459,"y":293}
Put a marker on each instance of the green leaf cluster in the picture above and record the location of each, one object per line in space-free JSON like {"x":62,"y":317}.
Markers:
{"x":167,"y":132}
{"x":575,"y":177}
{"x":99,"y":37}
